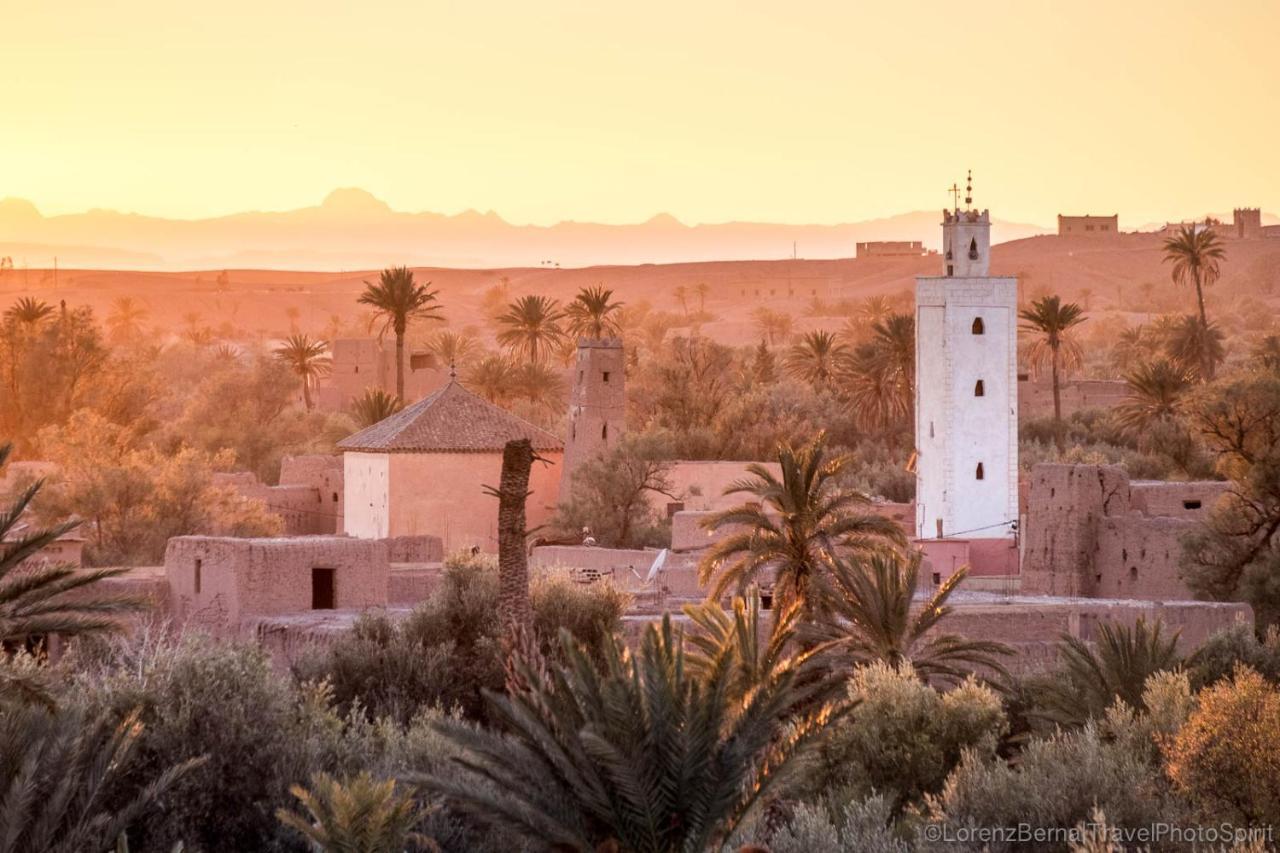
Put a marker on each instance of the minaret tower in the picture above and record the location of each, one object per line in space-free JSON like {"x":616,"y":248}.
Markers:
{"x":597,"y":403}
{"x":966,"y":387}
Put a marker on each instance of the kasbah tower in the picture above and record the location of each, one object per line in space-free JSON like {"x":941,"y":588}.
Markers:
{"x":966,"y":388}
{"x":597,"y":404}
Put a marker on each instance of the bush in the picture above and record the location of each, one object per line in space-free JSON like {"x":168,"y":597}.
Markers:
{"x":200,"y":697}
{"x":904,"y":737}
{"x":1226,"y":759}
{"x":1229,"y":648}
{"x":1057,"y":783}
{"x":203,"y":697}
{"x":449,"y":649}
{"x":856,"y":826}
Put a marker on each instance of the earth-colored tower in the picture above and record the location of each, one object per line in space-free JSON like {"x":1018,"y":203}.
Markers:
{"x":598,"y":402}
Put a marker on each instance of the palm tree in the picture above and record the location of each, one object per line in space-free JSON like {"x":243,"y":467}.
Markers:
{"x":453,"y":349}
{"x":816,"y":358}
{"x":1195,"y":255}
{"x":514,"y":610}
{"x":872,"y":618}
{"x":1051,"y":320}
{"x":531,"y":328}
{"x":399,"y":300}
{"x":774,"y":325}
{"x":361,"y":816}
{"x":126,"y":318}
{"x":791,"y":528}
{"x":374,"y":406}
{"x":682,"y":296}
{"x":308,"y":359}
{"x":880,"y":374}
{"x":702,"y":289}
{"x":592,"y":315}
{"x":1156,"y":390}
{"x":737,"y":639}
{"x":873,"y":309}
{"x":1132,"y":345}
{"x":493,"y":378}
{"x":643,"y":753}
{"x":37,"y":598}
{"x":895,"y":339}
{"x":29,"y":312}
{"x":1116,"y":666}
{"x":1191,"y":345}
{"x":540,"y":384}
{"x":62,"y":776}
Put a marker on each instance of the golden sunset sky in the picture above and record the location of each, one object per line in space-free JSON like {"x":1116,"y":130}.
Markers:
{"x":605,"y":111}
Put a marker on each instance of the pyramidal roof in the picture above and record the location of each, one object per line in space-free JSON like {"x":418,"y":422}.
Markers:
{"x":452,"y":420}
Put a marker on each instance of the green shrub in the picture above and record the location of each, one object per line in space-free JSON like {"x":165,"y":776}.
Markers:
{"x":449,"y":649}
{"x":203,"y":697}
{"x":1057,"y":783}
{"x":904,"y":737}
{"x":1219,"y":656}
{"x":262,"y":734}
{"x":855,"y":826}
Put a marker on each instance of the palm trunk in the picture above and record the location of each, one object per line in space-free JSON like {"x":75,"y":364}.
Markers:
{"x":400,"y":365}
{"x":1206,"y":357}
{"x":513,"y":565}
{"x":1057,"y":401}
{"x":306,"y":392}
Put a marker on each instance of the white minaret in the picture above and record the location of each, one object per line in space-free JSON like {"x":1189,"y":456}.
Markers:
{"x":966,"y":388}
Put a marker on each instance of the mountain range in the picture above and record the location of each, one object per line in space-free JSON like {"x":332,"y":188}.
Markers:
{"x":352,"y":229}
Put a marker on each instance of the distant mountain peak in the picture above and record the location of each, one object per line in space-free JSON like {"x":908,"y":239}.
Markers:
{"x":666,"y":220}
{"x":18,"y":208}
{"x":353,"y":200}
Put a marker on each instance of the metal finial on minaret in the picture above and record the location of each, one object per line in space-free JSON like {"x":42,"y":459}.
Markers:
{"x":968,"y":191}
{"x":453,"y":371}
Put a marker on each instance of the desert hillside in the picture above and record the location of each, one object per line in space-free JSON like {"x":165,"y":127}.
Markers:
{"x":1107,"y":274}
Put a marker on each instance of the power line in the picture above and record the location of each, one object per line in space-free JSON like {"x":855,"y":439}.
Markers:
{"x":1013,"y":522}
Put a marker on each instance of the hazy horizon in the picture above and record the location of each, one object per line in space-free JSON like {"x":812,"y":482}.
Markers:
{"x":712,"y":113}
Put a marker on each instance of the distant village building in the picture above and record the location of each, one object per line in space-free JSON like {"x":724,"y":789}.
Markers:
{"x":1093,"y":532}
{"x":597,"y":402}
{"x":967,"y":392}
{"x":891,"y":249}
{"x":363,"y":363}
{"x":1088,"y":226}
{"x":308,"y":499}
{"x":425,"y":469}
{"x":1247,"y":223}
{"x":66,"y":550}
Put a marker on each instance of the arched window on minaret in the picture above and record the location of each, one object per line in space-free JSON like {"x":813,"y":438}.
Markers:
{"x":978,"y":327}
{"x":973,"y":249}
{"x":979,"y":390}
{"x":604,"y":432}
{"x":977,"y":475}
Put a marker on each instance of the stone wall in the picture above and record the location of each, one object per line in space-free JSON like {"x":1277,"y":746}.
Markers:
{"x":1091,"y":532}
{"x":309,"y":499}
{"x":324,"y":473}
{"x":1035,"y":395}
{"x":700,"y":485}
{"x":363,"y":363}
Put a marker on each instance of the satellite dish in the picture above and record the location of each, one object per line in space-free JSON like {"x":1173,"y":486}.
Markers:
{"x":658,"y":563}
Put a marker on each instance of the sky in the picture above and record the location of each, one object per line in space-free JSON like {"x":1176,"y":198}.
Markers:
{"x":797,"y":112}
